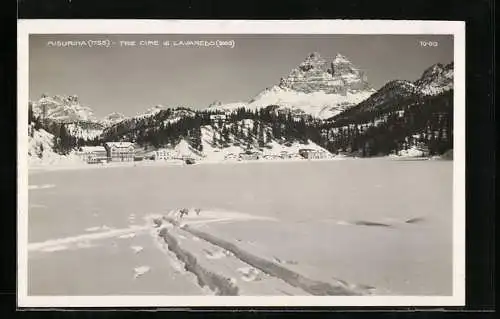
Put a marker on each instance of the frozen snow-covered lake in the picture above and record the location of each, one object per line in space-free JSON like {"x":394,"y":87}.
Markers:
{"x":345,"y":219}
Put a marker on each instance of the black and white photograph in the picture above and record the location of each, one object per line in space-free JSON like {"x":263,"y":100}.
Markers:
{"x":241,"y":163}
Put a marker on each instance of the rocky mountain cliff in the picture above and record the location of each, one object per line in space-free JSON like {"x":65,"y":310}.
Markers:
{"x":62,"y":109}
{"x":436,"y":79}
{"x":315,"y":87}
{"x":69,"y":109}
{"x":315,"y":74}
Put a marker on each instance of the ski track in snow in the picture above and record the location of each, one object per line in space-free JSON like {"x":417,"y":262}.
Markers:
{"x":97,"y":228}
{"x":386,"y":222}
{"x":87,"y":237}
{"x":274,"y":269}
{"x":171,"y":258}
{"x":258,"y":268}
{"x":54,"y":248}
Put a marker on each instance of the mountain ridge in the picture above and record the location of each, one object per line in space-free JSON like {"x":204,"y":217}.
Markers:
{"x":315,"y":87}
{"x":435,"y":80}
{"x":332,"y":120}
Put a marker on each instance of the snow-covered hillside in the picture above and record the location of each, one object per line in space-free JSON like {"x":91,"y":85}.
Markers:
{"x":41,"y":151}
{"x":220,"y":106}
{"x":234,"y":140}
{"x":217,"y":147}
{"x":183,"y":150}
{"x":318,"y":104}
{"x":434,"y":81}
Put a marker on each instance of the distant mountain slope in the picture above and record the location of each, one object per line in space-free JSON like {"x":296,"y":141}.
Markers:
{"x":151,"y":111}
{"x":318,"y":104}
{"x":220,"y":106}
{"x":401,"y":118}
{"x":157,"y":116}
{"x":436,"y":80}
{"x":112,"y":119}
{"x":403,"y":123}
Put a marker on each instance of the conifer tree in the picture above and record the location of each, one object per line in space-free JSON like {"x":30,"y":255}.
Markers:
{"x":261,"y":137}
{"x":255,"y":128}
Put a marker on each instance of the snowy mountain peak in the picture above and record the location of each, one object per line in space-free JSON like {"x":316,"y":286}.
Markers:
{"x":436,"y":79}
{"x":114,"y":115}
{"x":219,"y":106}
{"x":313,"y":61}
{"x":215,"y":104}
{"x":317,"y":74}
{"x":152,"y":111}
{"x":274,"y":90}
{"x":340,"y":59}
{"x":157,"y":108}
{"x":316,"y":87}
{"x":433,"y":71}
{"x":314,"y":55}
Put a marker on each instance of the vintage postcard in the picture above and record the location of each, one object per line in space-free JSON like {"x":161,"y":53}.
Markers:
{"x":241,"y":163}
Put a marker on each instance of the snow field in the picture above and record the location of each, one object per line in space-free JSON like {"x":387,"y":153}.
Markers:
{"x":398,"y":242}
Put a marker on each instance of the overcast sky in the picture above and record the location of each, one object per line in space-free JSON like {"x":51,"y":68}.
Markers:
{"x":131,"y":79}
